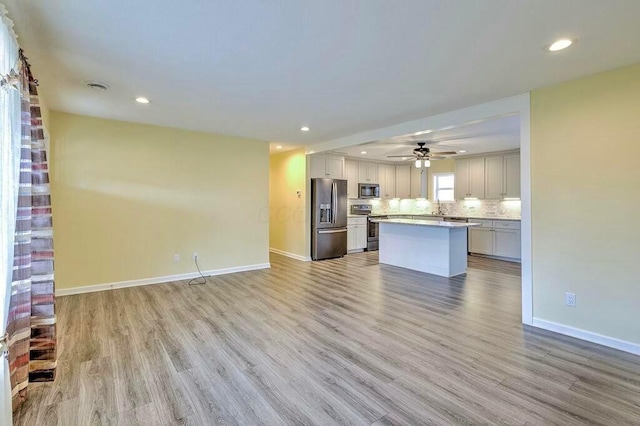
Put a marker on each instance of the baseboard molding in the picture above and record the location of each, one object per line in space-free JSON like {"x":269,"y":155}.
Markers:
{"x":589,"y":336}
{"x":291,"y":255}
{"x":159,"y":280}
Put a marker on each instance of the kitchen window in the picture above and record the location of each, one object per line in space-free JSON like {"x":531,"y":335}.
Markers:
{"x":443,"y":186}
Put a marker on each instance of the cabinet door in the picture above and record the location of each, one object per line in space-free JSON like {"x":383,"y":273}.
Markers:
{"x":461,"y":179}
{"x":317,"y":166}
{"x":387,"y":181}
{"x":476,"y":177}
{"x":481,"y":241}
{"x":512,"y":176}
{"x":368,"y":172}
{"x":507,"y":243}
{"x":361,"y":237}
{"x":493,"y":177}
{"x":352,"y":238}
{"x":418,"y":182}
{"x":390,"y":181}
{"x":352,"y":178}
{"x":334,"y":167}
{"x":403,"y":181}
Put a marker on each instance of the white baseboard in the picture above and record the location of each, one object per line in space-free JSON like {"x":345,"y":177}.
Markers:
{"x":291,"y":255}
{"x":158,"y":280}
{"x":589,"y":336}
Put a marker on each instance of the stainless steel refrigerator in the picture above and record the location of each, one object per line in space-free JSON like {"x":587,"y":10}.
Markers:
{"x":328,"y":218}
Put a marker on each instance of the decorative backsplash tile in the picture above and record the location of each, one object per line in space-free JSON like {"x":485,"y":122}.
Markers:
{"x":479,"y":208}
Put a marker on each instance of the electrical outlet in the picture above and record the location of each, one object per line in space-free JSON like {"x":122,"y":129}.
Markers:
{"x":194,"y":256}
{"x":176,"y":258}
{"x":570,"y":299}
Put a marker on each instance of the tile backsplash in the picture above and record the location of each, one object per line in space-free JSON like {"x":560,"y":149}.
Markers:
{"x":479,"y":208}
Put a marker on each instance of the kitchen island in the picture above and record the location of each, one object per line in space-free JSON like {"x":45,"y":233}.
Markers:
{"x":431,"y":246}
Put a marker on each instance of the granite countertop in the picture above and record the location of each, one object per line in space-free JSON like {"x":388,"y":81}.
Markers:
{"x":391,"y":215}
{"x":423,"y":222}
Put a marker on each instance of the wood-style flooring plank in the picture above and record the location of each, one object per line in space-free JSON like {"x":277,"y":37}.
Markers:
{"x":342,"y":341}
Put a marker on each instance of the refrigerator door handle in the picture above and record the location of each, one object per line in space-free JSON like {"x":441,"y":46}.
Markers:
{"x":332,"y":231}
{"x":334,"y":202}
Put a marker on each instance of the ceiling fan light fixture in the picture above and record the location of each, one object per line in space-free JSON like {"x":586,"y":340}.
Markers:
{"x":427,"y":163}
{"x":418,"y":164}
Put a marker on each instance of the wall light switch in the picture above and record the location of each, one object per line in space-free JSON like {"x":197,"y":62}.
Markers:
{"x":176,"y":258}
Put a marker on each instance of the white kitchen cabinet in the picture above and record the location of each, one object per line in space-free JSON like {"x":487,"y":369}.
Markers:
{"x":481,"y":241}
{"x":326,"y":166}
{"x":496,"y":238}
{"x":356,"y":233}
{"x":403,"y":182}
{"x":502,"y":176}
{"x":419,"y":182}
{"x":368,"y":172}
{"x":469,"y":178}
{"x":512,"y":176}
{"x":494,"y":177}
{"x":387,"y":180}
{"x":352,"y":171}
{"x":506,"y":243}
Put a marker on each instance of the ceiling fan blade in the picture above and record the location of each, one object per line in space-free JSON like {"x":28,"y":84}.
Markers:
{"x":444,"y":153}
{"x":399,"y":156}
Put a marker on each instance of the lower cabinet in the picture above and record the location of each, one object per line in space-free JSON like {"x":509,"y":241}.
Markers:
{"x":495,"y":238}
{"x":356,"y":233}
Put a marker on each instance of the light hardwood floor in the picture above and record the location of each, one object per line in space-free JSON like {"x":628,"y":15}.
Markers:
{"x":345,"y":341}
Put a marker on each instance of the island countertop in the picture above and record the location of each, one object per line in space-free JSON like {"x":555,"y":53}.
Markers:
{"x":423,"y":222}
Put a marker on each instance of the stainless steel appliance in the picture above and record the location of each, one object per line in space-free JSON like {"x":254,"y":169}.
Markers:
{"x":373,"y":233}
{"x":328,"y":218}
{"x":368,"y":190}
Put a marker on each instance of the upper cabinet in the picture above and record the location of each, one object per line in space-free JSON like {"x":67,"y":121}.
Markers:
{"x":494,"y":177}
{"x":368,"y":172}
{"x":469,"y":178}
{"x":387,"y":180}
{"x":403,"y":181}
{"x":419,"y":182}
{"x":352,"y":178}
{"x":491,"y":177}
{"x":512,"y":176}
{"x":327,"y":166}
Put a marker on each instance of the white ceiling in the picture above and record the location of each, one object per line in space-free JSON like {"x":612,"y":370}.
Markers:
{"x":499,"y":134}
{"x":263,"y":69}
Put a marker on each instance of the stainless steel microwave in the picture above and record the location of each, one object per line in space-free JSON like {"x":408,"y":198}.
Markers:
{"x":368,"y":190}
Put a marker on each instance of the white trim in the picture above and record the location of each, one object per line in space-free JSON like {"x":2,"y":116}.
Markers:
{"x":291,"y":255}
{"x":589,"y":336}
{"x":525,"y":212}
{"x":159,"y":280}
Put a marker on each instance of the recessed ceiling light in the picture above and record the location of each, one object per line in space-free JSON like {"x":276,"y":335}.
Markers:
{"x":462,"y":151}
{"x":278,"y":146}
{"x":142,"y":100}
{"x":363,"y":152}
{"x":563,"y":43}
{"x":304,"y":129}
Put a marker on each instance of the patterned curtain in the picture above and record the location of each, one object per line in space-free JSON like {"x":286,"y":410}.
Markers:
{"x":32,"y":320}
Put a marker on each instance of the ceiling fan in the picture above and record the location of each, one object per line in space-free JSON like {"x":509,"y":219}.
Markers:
{"x":423,"y":153}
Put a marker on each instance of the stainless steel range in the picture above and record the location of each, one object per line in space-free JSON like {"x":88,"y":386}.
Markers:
{"x":373,"y":229}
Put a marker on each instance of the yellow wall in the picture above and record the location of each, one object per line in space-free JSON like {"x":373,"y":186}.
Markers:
{"x":585,"y":171}
{"x":288,"y":218}
{"x":126,"y":197}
